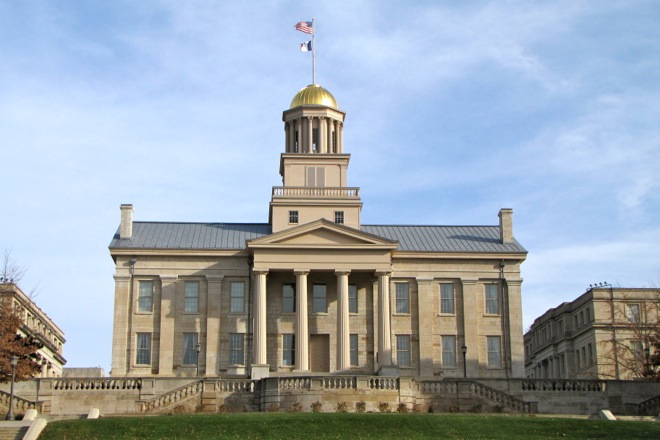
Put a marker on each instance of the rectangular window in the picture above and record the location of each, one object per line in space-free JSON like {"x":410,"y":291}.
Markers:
{"x":403,"y":350}
{"x":191,"y":301}
{"x":288,"y":350}
{"x":591,"y":354}
{"x":237,"y":297}
{"x":145,"y":296}
{"x":449,"y":351}
{"x":315,"y":139}
{"x":492,"y":300}
{"x":633,"y":313}
{"x":237,"y":347}
{"x":293,"y":217}
{"x":319,"y":300}
{"x":288,"y":298}
{"x":494,"y":351}
{"x":143,"y":352}
{"x":447,"y":298}
{"x":354,"y":350}
{"x":402,"y":298}
{"x":637,"y":349}
{"x":577,"y":358}
{"x":190,"y":349}
{"x":352,"y":299}
{"x":339,"y":217}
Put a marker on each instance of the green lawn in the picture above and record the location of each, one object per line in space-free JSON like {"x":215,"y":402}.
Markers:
{"x":347,"y":425}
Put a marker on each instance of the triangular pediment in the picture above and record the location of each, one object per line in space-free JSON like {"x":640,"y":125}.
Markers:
{"x":322,"y":233}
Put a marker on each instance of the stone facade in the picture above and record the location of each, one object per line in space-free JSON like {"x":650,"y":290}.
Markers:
{"x":37,"y":324}
{"x":314,"y":290}
{"x":602,"y":334}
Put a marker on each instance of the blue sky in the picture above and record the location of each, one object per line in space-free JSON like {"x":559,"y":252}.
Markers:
{"x":454,"y":110}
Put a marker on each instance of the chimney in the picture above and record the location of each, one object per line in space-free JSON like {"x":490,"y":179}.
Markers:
{"x":126,"y":227}
{"x":506,"y":225}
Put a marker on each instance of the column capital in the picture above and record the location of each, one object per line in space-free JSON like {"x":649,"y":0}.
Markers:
{"x":260,"y":271}
{"x":214,"y":278}
{"x":514,"y":282}
{"x":342,"y":272}
{"x":301,"y":272}
{"x":467,"y":281}
{"x":383,"y":273}
{"x":122,"y":278}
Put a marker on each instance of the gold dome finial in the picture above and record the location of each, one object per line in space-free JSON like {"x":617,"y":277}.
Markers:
{"x":314,"y":94}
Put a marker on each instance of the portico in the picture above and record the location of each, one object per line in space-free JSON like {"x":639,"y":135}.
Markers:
{"x":347,"y":256}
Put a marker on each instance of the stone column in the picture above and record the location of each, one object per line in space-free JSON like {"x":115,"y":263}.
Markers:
{"x":213,"y":313}
{"x":302,"y":328}
{"x":323,"y":141}
{"x":343,"y":329}
{"x":167,"y":311}
{"x":384,"y":327}
{"x":426,"y":317}
{"x":471,"y":319}
{"x":121,"y":335}
{"x":340,"y":137}
{"x":260,"y":317}
{"x":516,"y":345}
{"x":310,"y":138}
{"x":301,"y":144}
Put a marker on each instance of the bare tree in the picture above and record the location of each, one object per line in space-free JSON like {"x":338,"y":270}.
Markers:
{"x":11,"y":271}
{"x":633,"y":350}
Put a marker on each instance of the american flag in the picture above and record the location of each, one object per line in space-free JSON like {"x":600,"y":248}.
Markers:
{"x":304,"y":26}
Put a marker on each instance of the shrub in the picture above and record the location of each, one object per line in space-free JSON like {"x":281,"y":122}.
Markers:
{"x":360,"y":406}
{"x":478,"y":408}
{"x":342,"y":407}
{"x":383,"y":407}
{"x":296,"y":407}
{"x":498,"y":409}
{"x":317,"y":406}
{"x":179,"y":409}
{"x":274,"y":408}
{"x":223,"y":408}
{"x":454,"y":409}
{"x":402,"y":408}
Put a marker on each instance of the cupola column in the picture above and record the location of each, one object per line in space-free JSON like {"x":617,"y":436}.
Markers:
{"x":301,"y":148}
{"x":340,"y":137}
{"x":310,"y":130}
{"x":323,"y":142}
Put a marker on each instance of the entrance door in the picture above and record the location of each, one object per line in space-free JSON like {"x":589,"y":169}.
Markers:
{"x":319,"y":353}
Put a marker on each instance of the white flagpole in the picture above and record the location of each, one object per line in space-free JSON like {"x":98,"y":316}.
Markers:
{"x":313,"y":54}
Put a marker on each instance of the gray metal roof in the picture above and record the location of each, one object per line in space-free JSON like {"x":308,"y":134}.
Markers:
{"x":445,"y":238}
{"x":162,"y":235}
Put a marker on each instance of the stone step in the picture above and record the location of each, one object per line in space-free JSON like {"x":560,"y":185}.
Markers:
{"x":13,"y":433}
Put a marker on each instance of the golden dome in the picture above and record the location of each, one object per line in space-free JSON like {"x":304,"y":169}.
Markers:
{"x":314,"y":94}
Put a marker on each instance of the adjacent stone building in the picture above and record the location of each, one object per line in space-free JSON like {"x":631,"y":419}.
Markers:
{"x":603,"y":334}
{"x":314,"y":290}
{"x":37,"y":324}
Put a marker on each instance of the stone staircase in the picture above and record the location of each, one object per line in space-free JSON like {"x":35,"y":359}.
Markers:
{"x":12,"y":432}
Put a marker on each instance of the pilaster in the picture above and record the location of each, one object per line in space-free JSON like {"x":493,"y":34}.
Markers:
{"x":213,"y":314}
{"x":515,"y":330}
{"x":167,"y":308}
{"x":425,"y":319}
{"x":121,"y":335}
{"x":471,"y":323}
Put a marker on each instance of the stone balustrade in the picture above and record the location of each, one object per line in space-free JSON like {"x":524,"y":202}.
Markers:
{"x":502,"y":399}
{"x":646,"y":407}
{"x":438,"y":387}
{"x":339,"y":383}
{"x":97,"y":384}
{"x":565,"y":385}
{"x":20,"y":405}
{"x":384,"y":383}
{"x":236,"y":385}
{"x":173,"y":397}
{"x":294,"y":383}
{"x":302,"y":191}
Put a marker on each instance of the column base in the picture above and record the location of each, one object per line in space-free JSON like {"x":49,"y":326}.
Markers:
{"x":389,"y":370}
{"x":260,"y":371}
